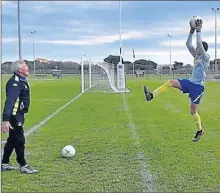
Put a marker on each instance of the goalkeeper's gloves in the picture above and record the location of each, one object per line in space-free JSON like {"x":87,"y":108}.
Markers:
{"x":192,"y":29}
{"x":198,"y":25}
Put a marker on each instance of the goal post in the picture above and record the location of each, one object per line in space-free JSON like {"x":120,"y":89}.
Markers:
{"x":99,"y":77}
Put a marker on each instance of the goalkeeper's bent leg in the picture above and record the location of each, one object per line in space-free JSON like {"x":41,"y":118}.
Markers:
{"x":162,"y":88}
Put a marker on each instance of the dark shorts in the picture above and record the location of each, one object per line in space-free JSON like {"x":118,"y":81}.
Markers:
{"x":195,"y":91}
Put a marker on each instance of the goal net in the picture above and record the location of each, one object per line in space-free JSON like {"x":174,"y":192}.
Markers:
{"x":100,"y":77}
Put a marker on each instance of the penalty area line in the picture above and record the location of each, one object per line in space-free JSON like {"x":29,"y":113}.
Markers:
{"x":34,"y":128}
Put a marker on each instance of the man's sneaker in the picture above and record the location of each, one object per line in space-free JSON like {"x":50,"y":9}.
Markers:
{"x":198,"y":135}
{"x":26,"y":169}
{"x":149,"y":96}
{"x":5,"y":167}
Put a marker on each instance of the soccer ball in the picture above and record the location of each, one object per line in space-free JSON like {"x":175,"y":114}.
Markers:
{"x":193,"y":21}
{"x":68,"y":151}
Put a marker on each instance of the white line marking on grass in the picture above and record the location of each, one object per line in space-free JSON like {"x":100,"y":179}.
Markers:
{"x":147,"y":177}
{"x":49,"y":100}
{"x":42,"y":79}
{"x":31,"y":130}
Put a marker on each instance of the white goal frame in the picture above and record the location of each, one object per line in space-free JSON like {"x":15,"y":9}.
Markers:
{"x":108,"y":69}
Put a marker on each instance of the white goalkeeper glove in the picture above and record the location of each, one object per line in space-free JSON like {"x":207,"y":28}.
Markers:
{"x":192,"y":29}
{"x":198,"y":25}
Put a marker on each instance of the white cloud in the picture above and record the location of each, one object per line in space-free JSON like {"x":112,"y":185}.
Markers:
{"x":9,"y":3}
{"x":175,"y":27}
{"x":182,"y":26}
{"x":103,"y":5}
{"x":174,"y":43}
{"x":9,"y":40}
{"x":81,"y":31}
{"x":162,"y":56}
{"x":50,"y":7}
{"x":182,"y":43}
{"x":93,"y":40}
{"x":44,"y":9}
{"x":211,"y":39}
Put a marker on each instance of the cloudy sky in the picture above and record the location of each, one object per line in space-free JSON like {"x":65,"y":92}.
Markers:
{"x":65,"y":29}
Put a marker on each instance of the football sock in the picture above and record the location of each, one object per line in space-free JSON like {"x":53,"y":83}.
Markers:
{"x":198,"y":121}
{"x":162,"y":88}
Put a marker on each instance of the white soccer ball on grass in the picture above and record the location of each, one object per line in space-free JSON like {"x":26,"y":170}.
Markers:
{"x":68,"y":151}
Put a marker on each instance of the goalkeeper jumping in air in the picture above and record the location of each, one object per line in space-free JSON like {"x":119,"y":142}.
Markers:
{"x":195,"y":85}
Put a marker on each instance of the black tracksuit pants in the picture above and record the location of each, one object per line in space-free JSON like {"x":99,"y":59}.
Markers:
{"x":16,"y":140}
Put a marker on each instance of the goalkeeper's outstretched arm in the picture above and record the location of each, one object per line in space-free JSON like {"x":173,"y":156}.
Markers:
{"x":201,"y":46}
{"x":189,"y":43}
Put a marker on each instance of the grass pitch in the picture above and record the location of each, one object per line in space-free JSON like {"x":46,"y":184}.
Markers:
{"x":110,"y":132}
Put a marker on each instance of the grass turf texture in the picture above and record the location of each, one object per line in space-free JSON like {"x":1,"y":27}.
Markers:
{"x":97,"y":125}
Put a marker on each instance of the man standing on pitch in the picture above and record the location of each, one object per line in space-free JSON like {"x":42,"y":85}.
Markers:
{"x":195,"y":85}
{"x":16,"y":105}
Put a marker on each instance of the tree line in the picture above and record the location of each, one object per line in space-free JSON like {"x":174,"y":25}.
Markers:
{"x":141,"y":64}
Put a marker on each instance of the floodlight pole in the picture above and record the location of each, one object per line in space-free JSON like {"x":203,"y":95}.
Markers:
{"x":33,"y":32}
{"x":90,"y":74}
{"x":170,"y":36}
{"x":19,"y":31}
{"x":216,"y":64}
{"x":82,"y":75}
